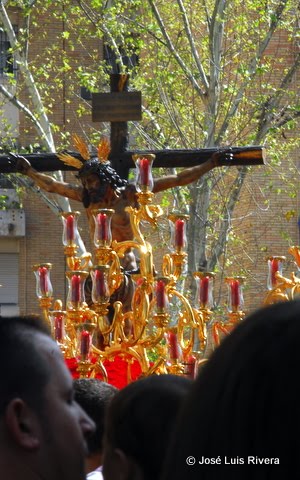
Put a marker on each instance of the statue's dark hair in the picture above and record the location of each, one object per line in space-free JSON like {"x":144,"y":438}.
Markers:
{"x":25,"y":371}
{"x":104,"y":171}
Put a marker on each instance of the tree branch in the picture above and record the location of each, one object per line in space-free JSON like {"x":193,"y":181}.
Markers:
{"x":216,"y":32}
{"x":192,"y":44}
{"x":17,"y":103}
{"x":173,"y":51}
{"x":268,"y":117}
{"x":218,"y":248}
{"x":252,"y":69}
{"x":100,"y":25}
{"x":23,"y":66}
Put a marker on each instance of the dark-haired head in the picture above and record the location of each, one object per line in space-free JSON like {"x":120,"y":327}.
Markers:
{"x":42,"y":429}
{"x":104,"y":171}
{"x":94,"y":396}
{"x":107,"y":177}
{"x":24,"y":370}
{"x":139,"y":423}
{"x":243,"y":406}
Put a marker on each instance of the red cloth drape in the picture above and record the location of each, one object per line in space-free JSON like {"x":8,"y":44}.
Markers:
{"x":117,"y":370}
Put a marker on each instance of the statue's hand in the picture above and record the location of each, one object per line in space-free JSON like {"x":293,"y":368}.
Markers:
{"x":222,"y":156}
{"x":21,"y":164}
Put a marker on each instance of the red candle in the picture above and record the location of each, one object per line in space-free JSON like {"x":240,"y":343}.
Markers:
{"x":75,"y":288}
{"x":101,"y":289}
{"x":161,"y":298}
{"x":144,"y":166}
{"x":190,"y":367}
{"x":173,"y":346}
{"x":102,"y":226}
{"x":58,"y":327}
{"x":43,"y":277}
{"x":179,"y":233}
{"x":85,"y":343}
{"x":70,"y":228}
{"x":274,"y":269}
{"x":204,"y":285}
{"x":235,"y":293}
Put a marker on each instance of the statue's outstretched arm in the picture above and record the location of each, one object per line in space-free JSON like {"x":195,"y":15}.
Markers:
{"x":189,"y":175}
{"x":46,"y":182}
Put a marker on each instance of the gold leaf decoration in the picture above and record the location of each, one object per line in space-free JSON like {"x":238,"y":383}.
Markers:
{"x":103,"y":149}
{"x":69,"y":160}
{"x":81,"y":146}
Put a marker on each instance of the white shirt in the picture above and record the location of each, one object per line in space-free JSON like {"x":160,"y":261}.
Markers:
{"x":95,"y":474}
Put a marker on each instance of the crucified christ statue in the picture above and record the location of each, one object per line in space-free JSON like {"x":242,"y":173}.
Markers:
{"x":102,"y":187}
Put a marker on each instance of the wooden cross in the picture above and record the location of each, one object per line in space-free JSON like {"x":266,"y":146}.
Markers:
{"x":118,"y":107}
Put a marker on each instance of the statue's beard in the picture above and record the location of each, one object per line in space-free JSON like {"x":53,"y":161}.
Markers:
{"x":97,"y":195}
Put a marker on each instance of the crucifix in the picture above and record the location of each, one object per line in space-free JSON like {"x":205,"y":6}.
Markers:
{"x":119,"y":106}
{"x":104,"y":184}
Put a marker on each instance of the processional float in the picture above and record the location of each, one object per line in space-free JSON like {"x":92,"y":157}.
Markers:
{"x":160,"y":339}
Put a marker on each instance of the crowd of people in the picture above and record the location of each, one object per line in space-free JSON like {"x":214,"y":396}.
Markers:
{"x":238,"y":419}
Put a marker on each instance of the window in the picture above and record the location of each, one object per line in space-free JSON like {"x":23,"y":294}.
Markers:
{"x":9,"y":281}
{"x":9,"y":114}
{"x":110,"y":58}
{"x":85,"y":94}
{"x":7,"y":62}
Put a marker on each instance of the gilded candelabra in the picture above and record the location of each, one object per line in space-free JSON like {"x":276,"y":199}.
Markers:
{"x":149,"y":333}
{"x":280,"y":288}
{"x":148,"y":325}
{"x":235,"y":309}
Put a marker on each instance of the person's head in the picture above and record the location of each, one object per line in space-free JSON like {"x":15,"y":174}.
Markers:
{"x":139,"y":423}
{"x":244,"y":404}
{"x":94,"y":396}
{"x":98,"y":178}
{"x":42,"y":428}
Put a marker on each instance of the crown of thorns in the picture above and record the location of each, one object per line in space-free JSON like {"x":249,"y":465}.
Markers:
{"x":99,"y":164}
